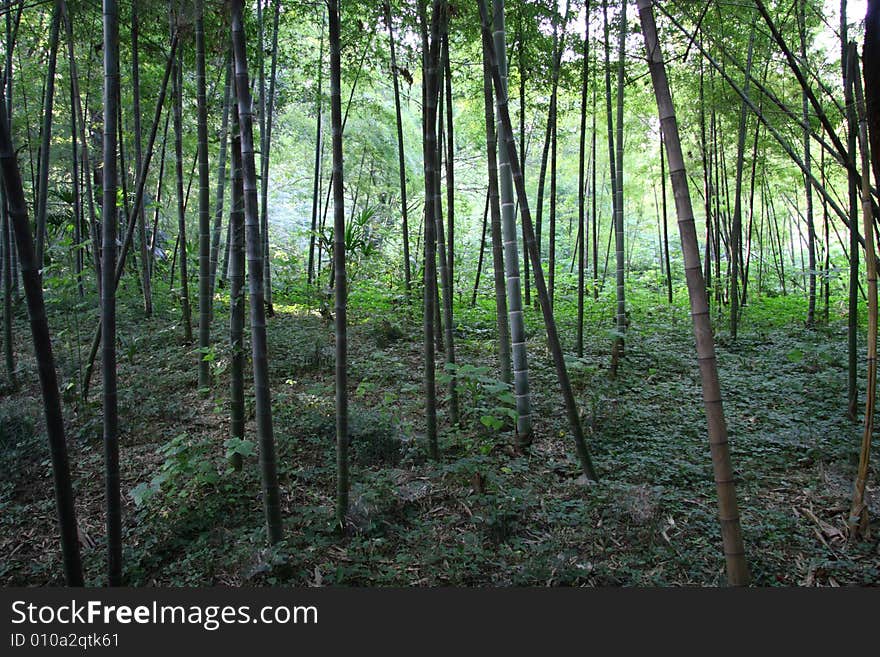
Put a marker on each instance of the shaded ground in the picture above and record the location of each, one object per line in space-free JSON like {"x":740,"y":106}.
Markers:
{"x":484,"y":515}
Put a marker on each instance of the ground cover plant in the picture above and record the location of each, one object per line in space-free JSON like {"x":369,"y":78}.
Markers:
{"x":427,"y":293}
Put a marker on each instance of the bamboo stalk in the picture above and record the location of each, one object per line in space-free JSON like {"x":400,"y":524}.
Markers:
{"x":731,"y":533}
{"x":858,"y":515}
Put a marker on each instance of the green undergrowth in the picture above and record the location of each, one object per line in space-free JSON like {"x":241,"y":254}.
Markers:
{"x":486,"y":513}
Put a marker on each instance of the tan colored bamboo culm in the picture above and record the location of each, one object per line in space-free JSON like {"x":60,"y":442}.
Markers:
{"x":858,"y":515}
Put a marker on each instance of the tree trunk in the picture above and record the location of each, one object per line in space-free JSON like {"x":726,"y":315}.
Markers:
{"x":160,"y":179}
{"x":737,"y":567}
{"x":204,"y":207}
{"x":177,"y":103}
{"x":612,"y":160}
{"x":871,"y":71}
{"x":508,"y":229}
{"x":400,"y":151}
{"x":618,"y":190}
{"x":236,"y":293}
{"x":664,"y":217}
{"x":811,"y":228}
{"x":853,"y":188}
{"x":482,"y":251}
{"x":523,"y":75}
{"x":46,"y":135}
{"x":554,"y":102}
{"x":267,"y":109}
{"x":138,"y":156}
{"x":33,"y":288}
{"x":858,"y":515}
{"x":341,"y":282}
{"x":497,"y":239}
{"x":445,"y":272}
{"x":85,"y":160}
{"x":450,"y":162}
{"x":6,"y":243}
{"x":130,"y":225}
{"x":594,"y":199}
{"x":259,"y":349}
{"x":736,"y":226}
{"x":108,"y":295}
{"x":319,"y":147}
{"x":507,"y":137}
{"x":581,"y":247}
{"x":221,"y":184}
{"x":430,"y":50}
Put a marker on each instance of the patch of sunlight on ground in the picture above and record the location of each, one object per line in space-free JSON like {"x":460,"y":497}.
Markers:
{"x":295,"y":309}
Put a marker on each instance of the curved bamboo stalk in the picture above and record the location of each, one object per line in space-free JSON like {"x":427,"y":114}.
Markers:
{"x":30,"y":274}
{"x":138,"y":201}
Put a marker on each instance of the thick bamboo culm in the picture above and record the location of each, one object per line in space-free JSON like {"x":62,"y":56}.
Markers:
{"x":731,"y":532}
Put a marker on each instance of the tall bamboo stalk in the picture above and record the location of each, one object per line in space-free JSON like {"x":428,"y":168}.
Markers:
{"x":85,"y":160}
{"x":853,"y":189}
{"x":450,"y":159}
{"x":204,"y":206}
{"x":858,"y":515}
{"x":138,"y":201}
{"x":443,"y":259}
{"x":618,"y":190}
{"x":33,"y":288}
{"x":221,"y":182}
{"x":734,"y":550}
{"x":7,"y":246}
{"x":401,"y":162}
{"x":509,"y":235}
{"x":259,"y":347}
{"x":319,"y":147}
{"x":736,"y":227}
{"x":177,"y":103}
{"x":46,"y":134}
{"x":497,"y":239}
{"x":811,"y":227}
{"x":236,"y":292}
{"x":267,"y":110}
{"x":108,"y":295}
{"x":340,"y":282}
{"x":138,"y":156}
{"x":507,"y":137}
{"x":582,"y":185}
{"x":431,"y":54}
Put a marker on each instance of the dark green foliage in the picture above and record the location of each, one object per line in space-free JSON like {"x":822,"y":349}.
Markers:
{"x":385,"y":333}
{"x":375,"y":439}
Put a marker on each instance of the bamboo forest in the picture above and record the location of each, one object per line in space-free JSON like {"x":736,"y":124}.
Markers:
{"x":421,"y":293}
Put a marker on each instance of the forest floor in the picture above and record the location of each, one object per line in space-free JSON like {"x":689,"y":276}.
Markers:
{"x":485,"y":514}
